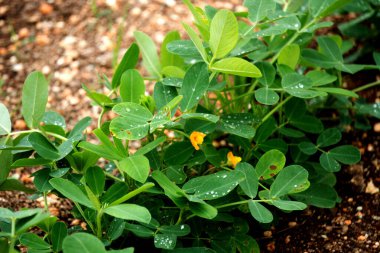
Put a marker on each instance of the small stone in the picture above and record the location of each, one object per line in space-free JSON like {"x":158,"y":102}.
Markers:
{"x":359,"y":208}
{"x":324,"y":237}
{"x":75,"y":222}
{"x":287,"y":239}
{"x":46,"y":70}
{"x":23,"y":33}
{"x":20,"y":125}
{"x":267,"y":233}
{"x":42,"y":40}
{"x":18,"y":67}
{"x":359,"y":215}
{"x":371,"y":188}
{"x":26,"y":179}
{"x":83,"y":225}
{"x":370,"y":148}
{"x":376,"y":127}
{"x":46,"y":9}
{"x":347,"y":222}
{"x":362,"y":238}
{"x":3,"y":51}
{"x":349,"y":200}
{"x":376,"y":245}
{"x":54,"y":211}
{"x":292,"y":224}
{"x":344,"y":229}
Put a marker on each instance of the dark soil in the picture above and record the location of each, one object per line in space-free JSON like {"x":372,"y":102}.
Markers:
{"x":72,"y":43}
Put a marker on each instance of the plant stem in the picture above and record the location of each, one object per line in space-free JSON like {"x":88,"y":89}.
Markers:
{"x":132,"y":194}
{"x":242,"y":202}
{"x":100,"y":117}
{"x":180,"y":216}
{"x":274,"y":110}
{"x":46,"y":202}
{"x":13,"y":235}
{"x":84,"y":217}
{"x":39,"y":131}
{"x":367,"y":86}
{"x":99,"y":223}
{"x":113,"y":177}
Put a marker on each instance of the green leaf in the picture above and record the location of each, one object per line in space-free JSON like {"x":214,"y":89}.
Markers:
{"x":54,"y":118}
{"x":5,"y":120}
{"x":184,"y":48}
{"x":168,"y":58}
{"x":290,"y":132}
{"x":239,"y":124}
{"x":12,"y":184}
{"x":115,"y":192}
{"x":173,"y":71}
{"x":71,"y":191}
{"x":197,"y":41}
{"x":6,"y":213}
{"x":76,"y":133}
{"x":298,"y":85}
{"x":97,"y":151}
{"x":309,"y":124}
{"x":28,"y":162}
{"x":165,"y":241}
{"x":128,"y":61}
{"x":266,"y":96}
{"x":43,"y":146}
{"x":268,"y":73}
{"x":32,"y":241}
{"x":6,"y":159}
{"x":259,"y":9}
{"x":41,"y":180}
{"x":150,"y":146}
{"x":137,"y":167}
{"x":337,"y":91}
{"x":289,"y":55}
{"x":178,"y":230}
{"x":171,"y":189}
{"x":329,"y":163}
{"x":132,"y":86}
{"x":270,"y":164}
{"x":307,"y":147}
{"x":58,"y":234}
{"x":201,"y":116}
{"x":139,"y":230}
{"x":204,"y":210}
{"x":163,"y":94}
{"x":224,"y":33}
{"x":134,"y":123}
{"x":250,"y":183}
{"x":315,"y":58}
{"x":287,"y":180}
{"x":319,"y":195}
{"x":329,"y":137}
{"x":330,"y":48}
{"x":213,"y":186}
{"x":260,"y":212}
{"x":194,"y":86}
{"x":346,"y":154}
{"x":82,"y":243}
{"x":236,"y":66}
{"x":95,"y":179}
{"x":178,"y":153}
{"x":193,"y":250}
{"x":320,"y":78}
{"x":149,"y":54}
{"x":176,"y":174}
{"x":129,"y":212}
{"x":289,"y":205}
{"x":34,"y":99}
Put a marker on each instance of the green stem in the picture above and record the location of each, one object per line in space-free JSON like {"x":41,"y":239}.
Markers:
{"x":274,"y":110}
{"x":242,"y":202}
{"x":46,"y":202}
{"x":113,"y":177}
{"x":263,"y":186}
{"x":39,"y":131}
{"x":99,"y":223}
{"x":84,"y":217}
{"x":13,"y":235}
{"x":133,"y":193}
{"x":367,"y":86}
{"x":100,"y":117}
{"x":180,"y":216}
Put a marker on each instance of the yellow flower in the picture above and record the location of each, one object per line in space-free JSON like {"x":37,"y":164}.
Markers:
{"x":196,"y":138}
{"x":232,"y":160}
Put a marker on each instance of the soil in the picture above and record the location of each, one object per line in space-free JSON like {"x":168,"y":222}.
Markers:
{"x":72,"y":42}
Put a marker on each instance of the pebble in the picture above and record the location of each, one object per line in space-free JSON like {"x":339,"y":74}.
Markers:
{"x":376,"y":127}
{"x":45,"y":9}
{"x":371,"y":188}
{"x":18,"y":67}
{"x":362,"y":238}
{"x":292,"y":224}
{"x":267,"y":233}
{"x":347,"y":222}
{"x":42,"y":40}
{"x":20,"y":124}
{"x":23,"y":33}
{"x":46,"y":70}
